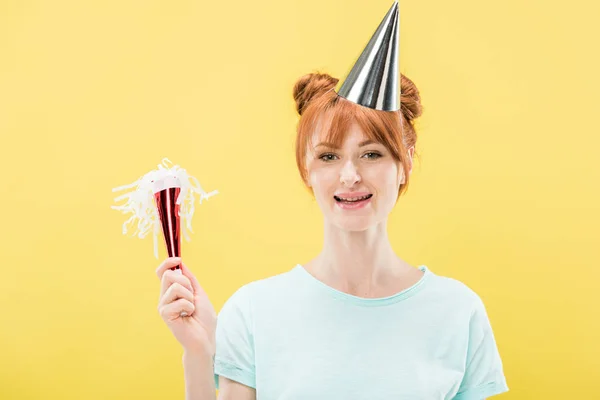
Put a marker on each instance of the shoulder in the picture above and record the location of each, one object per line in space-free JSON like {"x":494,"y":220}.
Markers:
{"x":454,"y":291}
{"x":263,"y":288}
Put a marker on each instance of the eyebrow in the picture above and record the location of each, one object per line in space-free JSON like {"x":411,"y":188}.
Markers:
{"x":361,"y":144}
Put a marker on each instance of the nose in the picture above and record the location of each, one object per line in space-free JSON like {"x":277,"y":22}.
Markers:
{"x":349,"y":174}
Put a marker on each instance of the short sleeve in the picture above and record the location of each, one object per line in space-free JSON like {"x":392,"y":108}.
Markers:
{"x":234,"y":356}
{"x":484,"y":375}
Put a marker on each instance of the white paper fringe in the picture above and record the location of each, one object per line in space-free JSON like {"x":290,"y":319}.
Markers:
{"x":140,"y":201}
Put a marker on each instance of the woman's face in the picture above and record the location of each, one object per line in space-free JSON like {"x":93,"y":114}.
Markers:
{"x":357,"y":185}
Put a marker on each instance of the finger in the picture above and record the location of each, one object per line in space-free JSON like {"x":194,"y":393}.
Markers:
{"x":197,"y":289}
{"x":175,"y":309}
{"x":166,"y":265}
{"x":175,"y":292}
{"x":171,"y":277}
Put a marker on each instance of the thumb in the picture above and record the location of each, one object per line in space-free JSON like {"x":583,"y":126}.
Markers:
{"x":195,"y":284}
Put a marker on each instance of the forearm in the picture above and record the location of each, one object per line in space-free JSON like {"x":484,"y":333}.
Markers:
{"x":199,"y":377}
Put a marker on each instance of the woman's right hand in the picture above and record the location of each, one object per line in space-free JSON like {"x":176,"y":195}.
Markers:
{"x":181,"y":292}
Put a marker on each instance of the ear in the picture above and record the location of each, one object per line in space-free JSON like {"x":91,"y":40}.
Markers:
{"x":401,"y":177}
{"x":411,"y":152}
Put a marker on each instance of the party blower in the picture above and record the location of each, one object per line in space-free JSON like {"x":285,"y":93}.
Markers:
{"x":163,"y":199}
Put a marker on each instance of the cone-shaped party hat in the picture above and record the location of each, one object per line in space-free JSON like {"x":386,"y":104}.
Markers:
{"x":374,"y":80}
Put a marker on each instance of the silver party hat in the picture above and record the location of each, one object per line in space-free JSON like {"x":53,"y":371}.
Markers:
{"x":373,"y":81}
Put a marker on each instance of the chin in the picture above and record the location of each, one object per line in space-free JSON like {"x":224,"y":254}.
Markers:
{"x":355,"y":224}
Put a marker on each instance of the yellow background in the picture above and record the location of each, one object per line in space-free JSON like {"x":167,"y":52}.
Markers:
{"x":94,"y":94}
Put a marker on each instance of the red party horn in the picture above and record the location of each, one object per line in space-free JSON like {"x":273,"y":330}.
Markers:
{"x":162,"y":199}
{"x":166,"y":191}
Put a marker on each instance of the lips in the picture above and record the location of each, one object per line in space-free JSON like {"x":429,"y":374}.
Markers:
{"x":352,"y":204}
{"x":352,"y":198}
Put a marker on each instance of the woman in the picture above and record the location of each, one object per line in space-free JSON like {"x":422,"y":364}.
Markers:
{"x":357,"y":321}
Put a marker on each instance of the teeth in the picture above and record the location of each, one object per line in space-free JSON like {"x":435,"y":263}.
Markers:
{"x":354,"y":198}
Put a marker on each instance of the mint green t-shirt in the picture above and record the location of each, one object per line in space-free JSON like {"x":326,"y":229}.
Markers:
{"x":292,"y":337}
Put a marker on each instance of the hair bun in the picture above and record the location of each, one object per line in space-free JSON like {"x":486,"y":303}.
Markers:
{"x":410,"y":99}
{"x":311,"y":86}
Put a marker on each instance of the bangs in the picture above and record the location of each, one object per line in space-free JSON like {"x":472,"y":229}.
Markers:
{"x":334,"y":115}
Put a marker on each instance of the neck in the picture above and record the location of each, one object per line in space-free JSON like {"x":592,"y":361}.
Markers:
{"x":352,"y":260}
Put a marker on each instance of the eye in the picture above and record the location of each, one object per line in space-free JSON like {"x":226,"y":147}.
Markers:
{"x":373,"y":155}
{"x":327,"y":157}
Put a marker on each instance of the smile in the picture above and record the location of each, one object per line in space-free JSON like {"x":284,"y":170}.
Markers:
{"x":353,"y":203}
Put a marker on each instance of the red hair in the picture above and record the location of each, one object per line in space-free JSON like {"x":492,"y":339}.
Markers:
{"x":315,"y":97}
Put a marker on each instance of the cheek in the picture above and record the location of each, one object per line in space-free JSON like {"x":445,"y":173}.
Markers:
{"x":384,"y":179}
{"x":321,"y":177}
